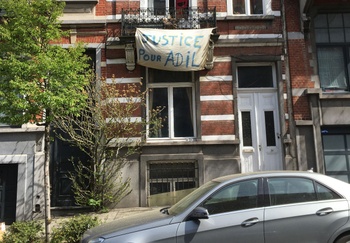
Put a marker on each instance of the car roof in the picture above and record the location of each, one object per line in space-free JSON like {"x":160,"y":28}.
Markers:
{"x":267,"y":174}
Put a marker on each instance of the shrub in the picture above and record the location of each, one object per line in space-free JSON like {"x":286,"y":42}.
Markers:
{"x":71,"y":230}
{"x":24,"y":232}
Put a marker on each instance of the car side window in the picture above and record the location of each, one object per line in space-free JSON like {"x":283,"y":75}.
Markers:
{"x":324,"y":193}
{"x":291,"y":190}
{"x":237,"y":196}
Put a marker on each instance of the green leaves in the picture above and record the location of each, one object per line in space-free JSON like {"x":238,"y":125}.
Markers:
{"x":37,"y":76}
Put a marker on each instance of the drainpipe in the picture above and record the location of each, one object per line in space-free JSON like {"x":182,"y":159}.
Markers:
{"x":291,"y":158}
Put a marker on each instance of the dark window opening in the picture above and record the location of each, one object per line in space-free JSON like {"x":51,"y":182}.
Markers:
{"x":255,"y":77}
{"x":247,"y":129}
{"x":270,"y":128}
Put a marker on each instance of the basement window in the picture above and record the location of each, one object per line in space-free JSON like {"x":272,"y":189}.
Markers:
{"x":171,"y":181}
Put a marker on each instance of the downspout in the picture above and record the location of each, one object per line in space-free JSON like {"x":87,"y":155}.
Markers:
{"x":291,"y":158}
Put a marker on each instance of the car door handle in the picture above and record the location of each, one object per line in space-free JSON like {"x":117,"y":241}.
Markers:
{"x":324,"y":211}
{"x":249,"y":222}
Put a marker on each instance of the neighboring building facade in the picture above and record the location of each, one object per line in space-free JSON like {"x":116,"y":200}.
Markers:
{"x":274,"y":93}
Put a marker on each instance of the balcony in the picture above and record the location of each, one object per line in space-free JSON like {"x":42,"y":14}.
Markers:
{"x":189,"y":18}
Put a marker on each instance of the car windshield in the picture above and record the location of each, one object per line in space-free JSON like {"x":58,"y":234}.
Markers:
{"x":184,"y":203}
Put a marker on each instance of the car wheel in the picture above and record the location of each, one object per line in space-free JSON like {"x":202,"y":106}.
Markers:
{"x":343,"y":239}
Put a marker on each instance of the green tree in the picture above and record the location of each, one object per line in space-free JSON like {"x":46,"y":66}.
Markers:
{"x":38,"y":79}
{"x":109,"y":131}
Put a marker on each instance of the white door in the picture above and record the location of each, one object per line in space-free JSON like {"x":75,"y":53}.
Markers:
{"x":260,"y":145}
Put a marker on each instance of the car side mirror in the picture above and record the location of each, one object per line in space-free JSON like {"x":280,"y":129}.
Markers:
{"x":199,"y":213}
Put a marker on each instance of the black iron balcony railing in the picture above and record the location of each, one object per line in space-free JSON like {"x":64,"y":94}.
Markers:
{"x":189,"y":18}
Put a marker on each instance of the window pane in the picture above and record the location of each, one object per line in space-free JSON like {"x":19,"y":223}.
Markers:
{"x":270,"y":128}
{"x":336,"y":35}
{"x":291,"y":190}
{"x":331,"y":68}
{"x":336,"y":147}
{"x":256,"y":7}
{"x":162,"y":76}
{"x":239,"y":6}
{"x":159,"y":187}
{"x":238,"y":196}
{"x":346,"y":17}
{"x":247,"y":129}
{"x":333,"y":143}
{"x":344,"y":178}
{"x":335,"y":163}
{"x":159,"y":99}
{"x":347,"y":34}
{"x":255,"y":77}
{"x":322,"y":36}
{"x":181,"y":4}
{"x":183,"y":112}
{"x":320,"y":21}
{"x":182,"y":185}
{"x":335,"y":20}
{"x":348,"y":66}
{"x":158,"y":4}
{"x":323,"y":193}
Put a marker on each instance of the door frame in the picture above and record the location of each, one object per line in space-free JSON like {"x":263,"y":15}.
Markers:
{"x":275,"y":63}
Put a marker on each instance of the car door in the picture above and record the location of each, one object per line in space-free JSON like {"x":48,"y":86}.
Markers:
{"x":234,"y":215}
{"x":302,"y":211}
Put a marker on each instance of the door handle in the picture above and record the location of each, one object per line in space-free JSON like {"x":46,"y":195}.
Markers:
{"x":250,"y":222}
{"x":324,"y":211}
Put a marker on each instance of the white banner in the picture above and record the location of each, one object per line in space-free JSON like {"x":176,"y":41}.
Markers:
{"x":174,"y":50}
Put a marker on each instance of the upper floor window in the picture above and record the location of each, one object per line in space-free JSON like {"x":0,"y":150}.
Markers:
{"x":166,"y":7}
{"x":332,"y":35}
{"x":163,"y":4}
{"x":173,"y":93}
{"x":247,"y":7}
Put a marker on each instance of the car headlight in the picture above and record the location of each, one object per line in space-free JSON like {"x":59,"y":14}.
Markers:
{"x":97,"y":240}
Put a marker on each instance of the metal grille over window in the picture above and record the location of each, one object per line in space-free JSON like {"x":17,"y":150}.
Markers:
{"x":169,"y":182}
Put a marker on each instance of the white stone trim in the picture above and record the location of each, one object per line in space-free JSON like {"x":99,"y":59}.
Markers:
{"x":224,"y":78}
{"x":216,"y":98}
{"x":218,"y":118}
{"x":218,"y":137}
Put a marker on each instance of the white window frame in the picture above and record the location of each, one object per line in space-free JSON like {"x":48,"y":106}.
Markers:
{"x":170,"y":86}
{"x":259,"y":64}
{"x":266,"y":8}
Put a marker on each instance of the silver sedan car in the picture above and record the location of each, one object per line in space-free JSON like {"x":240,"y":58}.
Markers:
{"x":263,"y":207}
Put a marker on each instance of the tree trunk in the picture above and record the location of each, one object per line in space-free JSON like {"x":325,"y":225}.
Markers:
{"x":47,"y":183}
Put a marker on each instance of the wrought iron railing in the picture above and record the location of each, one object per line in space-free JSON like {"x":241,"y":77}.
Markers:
{"x":188,"y":18}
